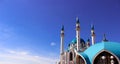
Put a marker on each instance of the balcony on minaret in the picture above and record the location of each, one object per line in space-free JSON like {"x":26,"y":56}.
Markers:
{"x":77,"y":28}
{"x":62,"y":34}
{"x":93,"y":34}
{"x":62,"y":31}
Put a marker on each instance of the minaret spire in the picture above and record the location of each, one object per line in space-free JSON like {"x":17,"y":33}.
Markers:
{"x":78,"y":34}
{"x":62,"y":45}
{"x":93,"y":35}
{"x":104,"y":38}
{"x":62,"y":40}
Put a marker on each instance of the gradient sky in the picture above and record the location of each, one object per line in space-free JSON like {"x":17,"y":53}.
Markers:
{"x":31,"y":28}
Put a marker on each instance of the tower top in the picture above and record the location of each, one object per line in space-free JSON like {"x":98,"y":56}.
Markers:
{"x":104,"y":38}
{"x":62,"y":28}
{"x":92,"y":27}
{"x":77,"y":20}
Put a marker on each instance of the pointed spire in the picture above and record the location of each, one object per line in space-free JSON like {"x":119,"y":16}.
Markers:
{"x":62,"y":28}
{"x":62,"y":31}
{"x":92,"y":34}
{"x":77,"y":20}
{"x":62,"y":41}
{"x":77,"y":24}
{"x":78,"y":34}
{"x":92,"y":27}
{"x":92,"y":30}
{"x":104,"y":38}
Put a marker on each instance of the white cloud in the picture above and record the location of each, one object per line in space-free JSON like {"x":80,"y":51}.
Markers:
{"x":52,"y":43}
{"x":17,"y":52}
{"x":18,"y":57}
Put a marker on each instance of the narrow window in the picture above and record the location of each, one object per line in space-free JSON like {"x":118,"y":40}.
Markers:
{"x":71,"y":56}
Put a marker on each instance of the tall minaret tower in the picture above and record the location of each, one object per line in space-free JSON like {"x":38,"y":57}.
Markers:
{"x":62,"y":45}
{"x":93,"y":35}
{"x":62,"y":41}
{"x":78,"y":34}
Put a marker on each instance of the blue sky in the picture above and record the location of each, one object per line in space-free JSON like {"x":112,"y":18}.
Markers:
{"x":32,"y":27}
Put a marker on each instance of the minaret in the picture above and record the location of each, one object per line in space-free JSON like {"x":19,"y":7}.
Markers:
{"x":62,"y":41}
{"x":62,"y":45}
{"x":92,"y":35}
{"x":78,"y":34}
{"x":104,"y":38}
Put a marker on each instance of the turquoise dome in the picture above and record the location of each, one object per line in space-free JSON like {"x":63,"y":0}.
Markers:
{"x":112,"y":47}
{"x":74,"y":41}
{"x":85,"y":57}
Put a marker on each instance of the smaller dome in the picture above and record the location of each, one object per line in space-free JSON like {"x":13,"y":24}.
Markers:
{"x":74,"y":41}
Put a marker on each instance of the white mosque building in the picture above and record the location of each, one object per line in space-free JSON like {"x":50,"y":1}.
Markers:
{"x":81,"y":52}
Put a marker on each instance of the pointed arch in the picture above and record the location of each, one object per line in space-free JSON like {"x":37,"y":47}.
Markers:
{"x":105,"y":57}
{"x":80,"y":60}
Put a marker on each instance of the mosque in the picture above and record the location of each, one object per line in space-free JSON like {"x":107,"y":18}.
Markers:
{"x":81,"y":52}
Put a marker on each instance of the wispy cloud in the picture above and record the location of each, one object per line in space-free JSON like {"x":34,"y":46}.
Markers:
{"x":17,"y":52}
{"x":52,"y":43}
{"x":17,"y":57}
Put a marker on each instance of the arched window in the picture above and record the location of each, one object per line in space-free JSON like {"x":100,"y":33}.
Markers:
{"x":71,"y":56}
{"x":79,"y":60}
{"x":105,"y":58}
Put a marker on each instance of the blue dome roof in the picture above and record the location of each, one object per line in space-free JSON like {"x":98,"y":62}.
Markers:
{"x":74,"y":41}
{"x":112,"y":47}
{"x":85,"y":57}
